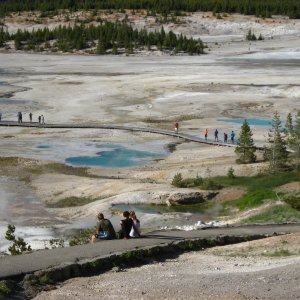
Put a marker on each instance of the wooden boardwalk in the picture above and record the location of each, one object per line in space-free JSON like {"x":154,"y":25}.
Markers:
{"x":184,"y":136}
{"x":187,"y":137}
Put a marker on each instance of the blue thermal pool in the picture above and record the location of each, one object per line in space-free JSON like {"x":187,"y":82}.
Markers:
{"x":114,"y":156}
{"x":251,"y":121}
{"x":43,"y":147}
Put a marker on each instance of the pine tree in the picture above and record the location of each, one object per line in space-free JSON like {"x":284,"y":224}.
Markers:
{"x":294,"y":140}
{"x":245,"y":149}
{"x":289,"y":124}
{"x":115,"y":49}
{"x":100,"y":48}
{"x":276,"y":153}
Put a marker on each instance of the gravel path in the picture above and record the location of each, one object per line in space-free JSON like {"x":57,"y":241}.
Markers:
{"x":217,"y":273}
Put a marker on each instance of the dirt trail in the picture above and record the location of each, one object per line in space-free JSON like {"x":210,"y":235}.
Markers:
{"x":248,"y":270}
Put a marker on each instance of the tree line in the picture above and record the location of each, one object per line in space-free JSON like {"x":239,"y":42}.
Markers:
{"x":262,"y":8}
{"x":106,"y":37}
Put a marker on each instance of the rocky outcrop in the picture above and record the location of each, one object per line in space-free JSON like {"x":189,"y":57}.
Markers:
{"x":189,"y":198}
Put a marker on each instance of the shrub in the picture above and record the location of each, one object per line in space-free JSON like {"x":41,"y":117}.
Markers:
{"x":230,"y":173}
{"x":82,"y":237}
{"x":209,"y":184}
{"x":19,"y":245}
{"x":192,"y":182}
{"x":206,"y":184}
{"x":293,"y":199}
{"x":177,"y":180}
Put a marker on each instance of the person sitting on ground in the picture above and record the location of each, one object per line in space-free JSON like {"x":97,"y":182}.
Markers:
{"x":126,"y":226}
{"x":136,"y":228}
{"x":104,"y":229}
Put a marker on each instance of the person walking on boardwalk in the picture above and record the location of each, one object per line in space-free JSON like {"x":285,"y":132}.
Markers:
{"x":225,"y":137}
{"x":30,"y":117}
{"x":104,"y":229}
{"x":42,"y":119}
{"x":232,"y":135}
{"x":19,"y":117}
{"x":39,"y":118}
{"x":176,"y":127}
{"x":216,"y":135}
{"x":206,"y":133}
{"x":0,"y":116}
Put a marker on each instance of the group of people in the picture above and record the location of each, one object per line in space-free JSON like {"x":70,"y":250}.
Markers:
{"x":130,"y":228}
{"x":41,"y":118}
{"x":216,"y":134}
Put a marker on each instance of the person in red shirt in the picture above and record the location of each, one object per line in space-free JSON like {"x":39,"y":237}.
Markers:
{"x":176,"y":127}
{"x":206,"y":133}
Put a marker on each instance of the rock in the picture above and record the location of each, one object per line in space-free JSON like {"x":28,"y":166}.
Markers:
{"x":189,"y":198}
{"x":210,"y":195}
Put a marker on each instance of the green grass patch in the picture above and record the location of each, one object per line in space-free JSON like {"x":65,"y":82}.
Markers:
{"x":9,"y":161}
{"x":71,"y":202}
{"x":260,"y":181}
{"x":192,"y":208}
{"x":260,"y":188}
{"x":61,"y":169}
{"x":293,"y":199}
{"x":25,"y":169}
{"x":278,"y":253}
{"x":277,"y":214}
{"x":252,"y":199}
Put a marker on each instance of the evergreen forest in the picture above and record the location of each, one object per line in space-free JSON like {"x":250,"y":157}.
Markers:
{"x":260,"y":8}
{"x":108,"y":37}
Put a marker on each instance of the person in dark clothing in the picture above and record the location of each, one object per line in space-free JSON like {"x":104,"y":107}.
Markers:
{"x":232,"y":137}
{"x":225,"y":137}
{"x":126,"y":226}
{"x":19,"y":117}
{"x":104,"y":229}
{"x":30,"y":117}
{"x":216,"y":135}
{"x":39,"y":118}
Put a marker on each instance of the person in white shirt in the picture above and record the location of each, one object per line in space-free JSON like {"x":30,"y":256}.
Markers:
{"x":136,"y":228}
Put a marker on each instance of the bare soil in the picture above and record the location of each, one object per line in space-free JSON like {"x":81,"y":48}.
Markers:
{"x":248,"y":270}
